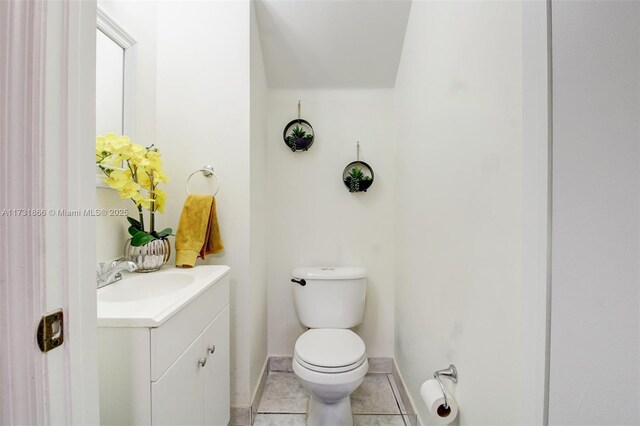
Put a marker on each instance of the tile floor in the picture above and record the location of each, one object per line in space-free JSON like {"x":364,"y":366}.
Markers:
{"x":374,"y":403}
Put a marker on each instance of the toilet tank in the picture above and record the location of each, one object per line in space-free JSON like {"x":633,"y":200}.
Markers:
{"x":332,"y":297}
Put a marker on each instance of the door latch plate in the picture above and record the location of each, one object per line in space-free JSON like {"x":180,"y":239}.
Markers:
{"x":51,"y":331}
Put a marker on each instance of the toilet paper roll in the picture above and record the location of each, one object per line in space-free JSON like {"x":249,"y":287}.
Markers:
{"x":432,"y":396}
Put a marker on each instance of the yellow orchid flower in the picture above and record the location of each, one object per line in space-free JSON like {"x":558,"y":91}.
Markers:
{"x":137,"y":198}
{"x":118,"y":144}
{"x":160,"y":201}
{"x":159,"y":176}
{"x":146,"y":203}
{"x":129,"y":190}
{"x":155,"y":162}
{"x":130,"y":169}
{"x":118,"y":179}
{"x":143,"y":179}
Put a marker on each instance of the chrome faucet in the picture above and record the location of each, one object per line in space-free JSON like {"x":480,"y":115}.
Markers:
{"x":109,"y":273}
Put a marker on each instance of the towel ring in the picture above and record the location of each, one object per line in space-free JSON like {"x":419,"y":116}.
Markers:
{"x":207,"y":171}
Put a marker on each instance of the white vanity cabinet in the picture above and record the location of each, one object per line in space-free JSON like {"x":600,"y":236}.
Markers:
{"x":189,"y":392}
{"x":175,"y":373}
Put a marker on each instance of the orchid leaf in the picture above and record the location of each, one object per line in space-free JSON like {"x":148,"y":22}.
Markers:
{"x":165,"y":233}
{"x":133,"y":230}
{"x":135,"y":223}
{"x":141,"y":238}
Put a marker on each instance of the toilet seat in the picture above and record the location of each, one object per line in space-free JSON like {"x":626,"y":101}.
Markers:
{"x":321,"y":369}
{"x":327,"y":350}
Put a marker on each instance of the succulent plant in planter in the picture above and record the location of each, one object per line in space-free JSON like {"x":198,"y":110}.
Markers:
{"x":357,"y":180}
{"x":299,"y":139}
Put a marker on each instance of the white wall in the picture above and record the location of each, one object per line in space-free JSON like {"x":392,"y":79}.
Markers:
{"x":193,"y":101}
{"x":463,"y":180}
{"x":203,"y":118}
{"x":314,"y":220}
{"x":138,"y":18}
{"x":259,"y":208}
{"x":595,"y":335}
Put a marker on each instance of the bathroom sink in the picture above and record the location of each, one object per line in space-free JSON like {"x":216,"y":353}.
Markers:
{"x":148,"y":286}
{"x":148,"y":300}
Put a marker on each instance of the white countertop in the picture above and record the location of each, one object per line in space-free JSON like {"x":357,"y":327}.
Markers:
{"x":149,"y":299}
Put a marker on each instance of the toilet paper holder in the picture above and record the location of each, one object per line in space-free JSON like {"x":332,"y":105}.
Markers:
{"x":450,"y":373}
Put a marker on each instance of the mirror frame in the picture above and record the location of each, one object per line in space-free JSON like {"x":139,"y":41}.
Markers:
{"x":110,"y":28}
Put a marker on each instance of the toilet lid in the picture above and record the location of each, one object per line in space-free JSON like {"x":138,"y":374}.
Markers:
{"x":330,"y":348}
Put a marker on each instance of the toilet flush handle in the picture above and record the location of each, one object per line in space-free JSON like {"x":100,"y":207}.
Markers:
{"x":302,"y":282}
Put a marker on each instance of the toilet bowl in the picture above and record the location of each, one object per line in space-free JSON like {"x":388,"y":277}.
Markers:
{"x":330,"y":364}
{"x":330,"y":360}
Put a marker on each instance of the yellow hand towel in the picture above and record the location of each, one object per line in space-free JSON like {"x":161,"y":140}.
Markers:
{"x":214,"y":242}
{"x":193,"y":229}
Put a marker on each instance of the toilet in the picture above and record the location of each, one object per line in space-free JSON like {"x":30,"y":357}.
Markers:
{"x":330,"y":360}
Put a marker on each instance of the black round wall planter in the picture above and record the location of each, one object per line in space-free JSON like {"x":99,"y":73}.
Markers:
{"x":357,"y":176}
{"x":298,"y":135}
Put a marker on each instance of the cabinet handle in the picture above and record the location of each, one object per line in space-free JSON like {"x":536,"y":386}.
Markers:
{"x":202,"y":361}
{"x":211,"y":349}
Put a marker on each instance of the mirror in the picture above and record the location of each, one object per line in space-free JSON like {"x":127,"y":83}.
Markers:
{"x":114,"y":79}
{"x":109,"y":85}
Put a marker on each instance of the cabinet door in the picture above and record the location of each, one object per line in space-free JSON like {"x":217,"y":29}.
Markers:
{"x":177,"y":397}
{"x":216,"y":372}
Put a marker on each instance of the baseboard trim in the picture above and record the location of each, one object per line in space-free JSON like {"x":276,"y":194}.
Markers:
{"x":406,"y":403}
{"x":257,"y":395}
{"x":245,"y":415}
